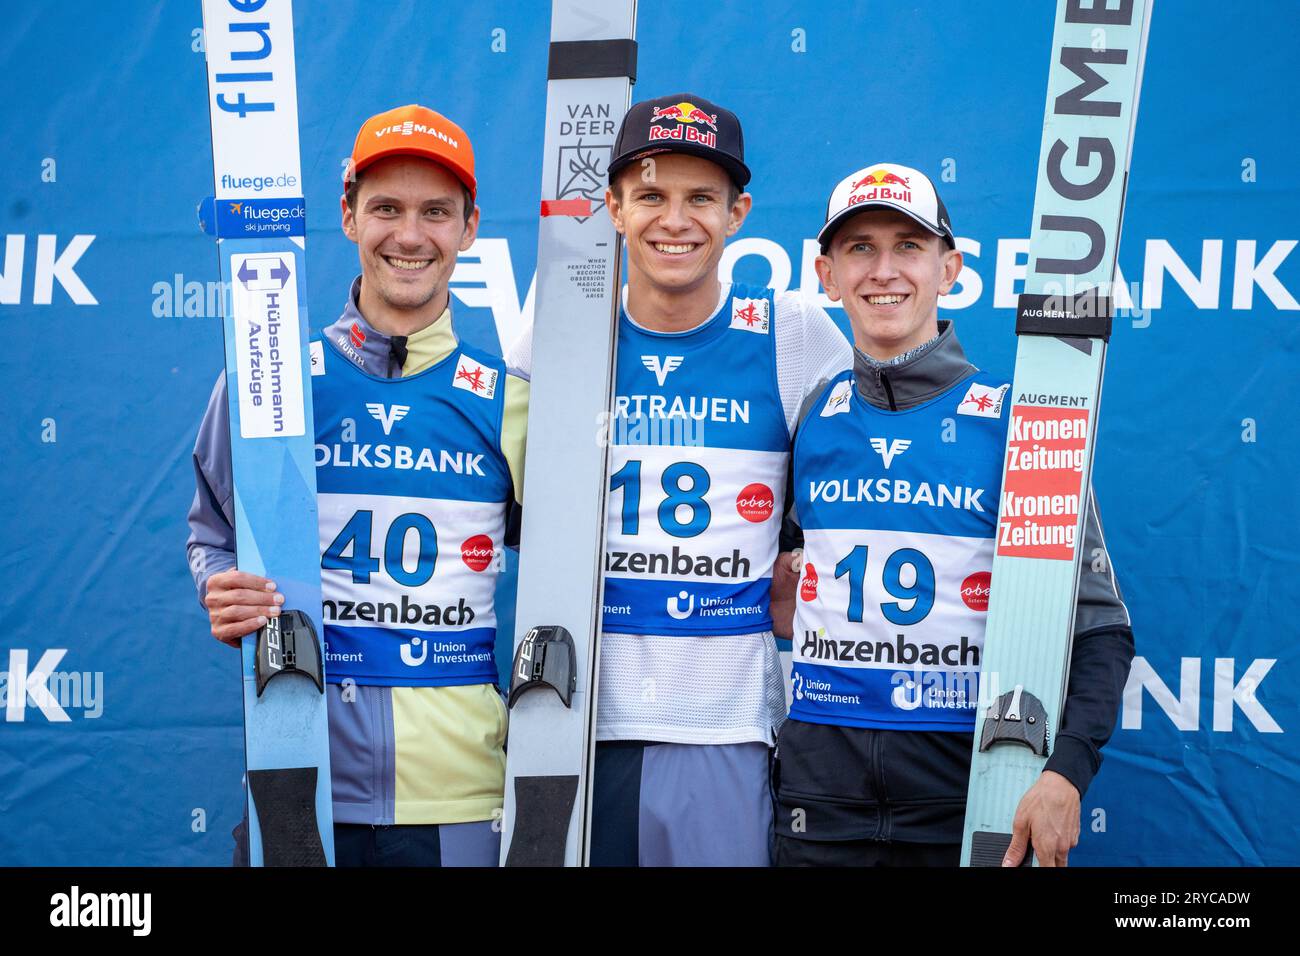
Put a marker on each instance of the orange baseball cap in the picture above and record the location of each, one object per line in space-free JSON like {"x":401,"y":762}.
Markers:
{"x":415,"y":131}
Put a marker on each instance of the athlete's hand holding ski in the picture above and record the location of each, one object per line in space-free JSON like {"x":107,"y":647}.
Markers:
{"x":1048,"y":819}
{"x":239,"y":603}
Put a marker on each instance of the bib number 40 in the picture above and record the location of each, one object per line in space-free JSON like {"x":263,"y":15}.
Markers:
{"x":356,"y":536}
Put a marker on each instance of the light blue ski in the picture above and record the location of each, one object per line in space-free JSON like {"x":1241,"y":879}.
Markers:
{"x":258,"y":218}
{"x":1063,"y":323}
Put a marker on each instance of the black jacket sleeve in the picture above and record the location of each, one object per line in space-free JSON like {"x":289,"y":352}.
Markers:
{"x":1099,"y":662}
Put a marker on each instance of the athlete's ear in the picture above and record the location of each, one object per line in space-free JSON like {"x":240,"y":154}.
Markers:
{"x":615,"y":208}
{"x":471,"y":230}
{"x":827,"y":276}
{"x":951,"y":270}
{"x":739,"y":210}
{"x":349,"y":220}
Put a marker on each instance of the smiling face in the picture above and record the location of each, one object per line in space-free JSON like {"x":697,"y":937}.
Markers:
{"x":889,"y":271}
{"x":408,"y":223}
{"x":676,"y":222}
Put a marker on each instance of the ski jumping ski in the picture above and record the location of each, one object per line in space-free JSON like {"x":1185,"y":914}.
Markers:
{"x":553,"y":684}
{"x":1063,"y":322}
{"x":258,"y":219}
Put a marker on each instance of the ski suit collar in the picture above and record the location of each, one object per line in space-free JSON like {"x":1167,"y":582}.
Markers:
{"x":369,"y":349}
{"x":930,"y":372}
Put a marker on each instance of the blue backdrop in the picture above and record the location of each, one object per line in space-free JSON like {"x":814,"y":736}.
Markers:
{"x":111,"y":342}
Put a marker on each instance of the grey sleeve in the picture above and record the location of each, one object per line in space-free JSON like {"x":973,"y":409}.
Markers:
{"x":1099,"y":662}
{"x":1101,"y":605}
{"x":211,"y":544}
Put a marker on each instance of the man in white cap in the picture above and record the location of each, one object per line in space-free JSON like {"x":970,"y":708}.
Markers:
{"x":897,"y":468}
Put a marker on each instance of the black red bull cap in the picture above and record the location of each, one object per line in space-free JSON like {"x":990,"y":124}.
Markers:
{"x":887,"y":186}
{"x":681,"y":123}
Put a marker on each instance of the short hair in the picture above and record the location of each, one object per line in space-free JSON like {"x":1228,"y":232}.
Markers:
{"x":733,"y":190}
{"x":354,"y":186}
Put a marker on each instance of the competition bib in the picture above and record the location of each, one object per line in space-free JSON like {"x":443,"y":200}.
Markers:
{"x":697,"y":476}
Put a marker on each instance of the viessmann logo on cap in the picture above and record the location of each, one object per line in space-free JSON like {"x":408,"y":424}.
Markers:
{"x":411,"y":128}
{"x":684,"y":113}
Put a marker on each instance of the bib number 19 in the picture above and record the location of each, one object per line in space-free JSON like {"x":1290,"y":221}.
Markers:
{"x":920,"y":592}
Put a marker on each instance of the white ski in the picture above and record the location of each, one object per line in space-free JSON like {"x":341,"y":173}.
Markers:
{"x":553,"y":688}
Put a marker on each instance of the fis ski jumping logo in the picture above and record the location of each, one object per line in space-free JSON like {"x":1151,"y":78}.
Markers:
{"x":662,"y":367}
{"x":888,"y":451}
{"x":475,"y":377}
{"x":838,"y":402}
{"x":674,"y":606}
{"x":387,"y":417}
{"x":983,"y":401}
{"x":750,"y":315}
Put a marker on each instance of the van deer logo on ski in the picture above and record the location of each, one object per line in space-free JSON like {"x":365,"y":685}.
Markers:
{"x":750,"y":315}
{"x":475,"y":377}
{"x":888,"y":451}
{"x":387,"y":417}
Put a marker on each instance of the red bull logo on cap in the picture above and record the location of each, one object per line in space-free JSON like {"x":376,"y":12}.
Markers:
{"x":684,"y":113}
{"x":880,"y":184}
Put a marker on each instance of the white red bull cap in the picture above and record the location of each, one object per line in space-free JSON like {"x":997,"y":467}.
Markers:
{"x":887,"y":186}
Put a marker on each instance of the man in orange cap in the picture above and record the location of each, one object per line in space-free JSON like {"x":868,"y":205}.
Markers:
{"x":419,"y":456}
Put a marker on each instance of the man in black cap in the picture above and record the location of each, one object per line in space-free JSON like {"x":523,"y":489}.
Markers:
{"x":709,"y":381}
{"x":897,"y":472}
